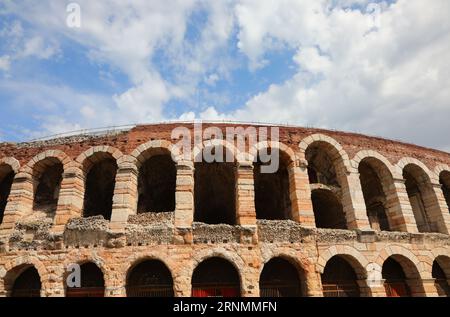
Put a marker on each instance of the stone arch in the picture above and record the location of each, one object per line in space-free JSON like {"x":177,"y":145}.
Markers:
{"x":358,"y":261}
{"x":220,"y":198}
{"x":20,"y":264}
{"x":343,"y":272}
{"x":11,"y":162}
{"x":443,"y":174}
{"x":136,"y":258}
{"x":297,"y":258}
{"x":298,"y":261}
{"x":168,"y":280}
{"x":328,"y":163}
{"x":86,"y":258}
{"x":154,"y":147}
{"x":405,"y":161}
{"x":442,"y":256}
{"x":156,"y":166}
{"x":229,"y":149}
{"x":100,"y":166}
{"x":234,"y":259}
{"x":335,"y":148}
{"x":438,"y":169}
{"x":46,"y":170}
{"x":9,"y":168}
{"x":145,"y":258}
{"x":412,"y":267}
{"x":420,"y":185}
{"x":99,"y":264}
{"x":93,"y":154}
{"x":58,"y":155}
{"x":376,"y":175}
{"x":283,"y":148}
{"x":275,"y":195}
{"x":364,"y":154}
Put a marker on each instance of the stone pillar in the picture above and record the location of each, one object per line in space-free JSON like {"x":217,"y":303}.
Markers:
{"x":421,"y":288}
{"x":313,"y":284}
{"x":184,"y":195}
{"x":377,"y":289}
{"x":402,"y":217}
{"x":20,"y":202}
{"x":125,"y":197}
{"x":71,"y":198}
{"x":429,"y":287}
{"x":436,"y":207}
{"x":364,"y":289}
{"x":300,"y":194}
{"x":245,"y":195}
{"x":353,"y":201}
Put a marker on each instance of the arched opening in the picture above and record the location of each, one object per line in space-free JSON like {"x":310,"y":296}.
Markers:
{"x":444,"y":180}
{"x":374,"y":196}
{"x":420,"y":195}
{"x":321,"y":168}
{"x":6,"y":180}
{"x":91,"y":280}
{"x":150,"y":278}
{"x":328,"y":211}
{"x":215,"y":277}
{"x":280,"y":278}
{"x":326,"y":192}
{"x":339,"y":279}
{"x":27,"y":283}
{"x":272,"y":195}
{"x":214,"y":192}
{"x":157,"y":184}
{"x":441,"y":279}
{"x":47,"y":176}
{"x":394,"y":277}
{"x":100,"y":183}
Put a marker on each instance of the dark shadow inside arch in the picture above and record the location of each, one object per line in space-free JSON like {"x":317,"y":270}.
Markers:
{"x":48,"y":178}
{"x":339,"y":279}
{"x":214,"y":193}
{"x":417,"y":188}
{"x":157,"y":184}
{"x":321,"y":168}
{"x":444,"y":180}
{"x":150,"y":278}
{"x":272,"y":195}
{"x":374,"y":197}
{"x":441,"y":279}
{"x":280,"y":278}
{"x":100,"y":183}
{"x":328,"y":211}
{"x":215,"y":277}
{"x":6,"y":180}
{"x":27,"y":284}
{"x":395,"y":281}
{"x":92,"y":282}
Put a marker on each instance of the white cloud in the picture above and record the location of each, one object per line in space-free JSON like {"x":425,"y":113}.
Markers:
{"x":391,"y":81}
{"x":388,"y":78}
{"x":35,"y":46}
{"x":5,"y":63}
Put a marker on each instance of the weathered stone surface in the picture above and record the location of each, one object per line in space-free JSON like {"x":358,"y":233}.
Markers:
{"x":51,"y":240}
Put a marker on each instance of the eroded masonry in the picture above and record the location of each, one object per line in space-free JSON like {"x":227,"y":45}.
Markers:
{"x":344,"y":215}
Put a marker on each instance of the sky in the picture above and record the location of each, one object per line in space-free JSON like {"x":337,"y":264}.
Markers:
{"x":380,"y":68}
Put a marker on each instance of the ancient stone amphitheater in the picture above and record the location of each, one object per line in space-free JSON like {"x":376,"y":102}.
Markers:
{"x":344,"y":215}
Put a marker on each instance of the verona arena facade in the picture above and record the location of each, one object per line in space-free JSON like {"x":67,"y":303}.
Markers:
{"x":345,"y":215}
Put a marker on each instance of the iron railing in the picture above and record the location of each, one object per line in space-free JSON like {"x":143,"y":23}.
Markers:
{"x":26,"y":293}
{"x":85,"y":292}
{"x":279,"y":291}
{"x":340,"y":290}
{"x":150,"y":291}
